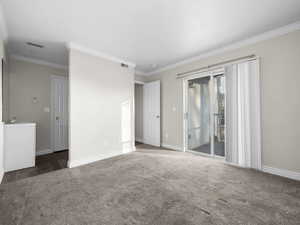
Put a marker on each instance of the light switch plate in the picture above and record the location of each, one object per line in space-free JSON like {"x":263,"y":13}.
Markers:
{"x":46,"y":109}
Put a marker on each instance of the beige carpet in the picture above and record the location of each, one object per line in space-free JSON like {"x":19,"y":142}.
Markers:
{"x":151,"y":187}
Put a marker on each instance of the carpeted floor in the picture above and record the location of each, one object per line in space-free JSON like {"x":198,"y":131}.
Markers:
{"x":151,"y":186}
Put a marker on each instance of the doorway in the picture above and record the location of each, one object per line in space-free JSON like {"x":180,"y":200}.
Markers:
{"x":204,"y":107}
{"x":59,"y":113}
{"x":138,"y":108}
{"x":147,"y":113}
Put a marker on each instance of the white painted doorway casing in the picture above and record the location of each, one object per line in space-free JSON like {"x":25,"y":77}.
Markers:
{"x":59,"y":113}
{"x":151,"y":115}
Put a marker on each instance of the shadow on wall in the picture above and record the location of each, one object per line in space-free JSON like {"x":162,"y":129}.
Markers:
{"x":126,"y":126}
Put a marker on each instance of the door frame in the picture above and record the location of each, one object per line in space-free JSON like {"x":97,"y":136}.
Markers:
{"x":134,"y":112}
{"x":52,"y":114}
{"x":211,"y":74}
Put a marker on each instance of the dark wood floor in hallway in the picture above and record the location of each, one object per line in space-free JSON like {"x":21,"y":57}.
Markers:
{"x":44,"y":164}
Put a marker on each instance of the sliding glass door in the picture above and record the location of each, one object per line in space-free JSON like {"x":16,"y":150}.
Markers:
{"x":219,"y":114}
{"x":205,"y":117}
{"x":199,"y":115}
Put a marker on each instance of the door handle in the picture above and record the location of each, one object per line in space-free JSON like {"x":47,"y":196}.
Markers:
{"x":57,"y":117}
{"x":157,"y":116}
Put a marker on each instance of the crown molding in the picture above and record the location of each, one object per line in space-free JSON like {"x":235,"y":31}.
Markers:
{"x":96,"y":53}
{"x":38,"y":61}
{"x":255,"y":39}
{"x":140,"y":73}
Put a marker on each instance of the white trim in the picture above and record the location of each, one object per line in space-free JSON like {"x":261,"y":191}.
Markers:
{"x":43,"y":152}
{"x":138,"y":82}
{"x":140,"y":73}
{"x":75,"y":163}
{"x":52,"y":116}
{"x":255,"y":39}
{"x":37,"y":61}
{"x":282,"y":172}
{"x":173,"y":147}
{"x":19,"y":124}
{"x":96,"y":53}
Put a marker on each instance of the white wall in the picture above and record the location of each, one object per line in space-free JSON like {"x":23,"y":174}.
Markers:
{"x":3,"y":37}
{"x":101,"y":124}
{"x":280,"y":79}
{"x":5,"y":91}
{"x":27,"y":81}
{"x":2,"y":53}
{"x":138,"y":103}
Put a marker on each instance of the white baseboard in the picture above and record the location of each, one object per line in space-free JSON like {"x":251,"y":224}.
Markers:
{"x":173,"y":147}
{"x":43,"y":152}
{"x":281,"y":172}
{"x":75,"y":163}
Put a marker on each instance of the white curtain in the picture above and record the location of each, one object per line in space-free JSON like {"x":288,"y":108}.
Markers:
{"x":243,"y":114}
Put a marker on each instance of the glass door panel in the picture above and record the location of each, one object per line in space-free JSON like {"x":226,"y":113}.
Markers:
{"x":199,"y":115}
{"x":219,"y":115}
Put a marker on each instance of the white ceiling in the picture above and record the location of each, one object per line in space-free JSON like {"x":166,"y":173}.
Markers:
{"x":152,"y":34}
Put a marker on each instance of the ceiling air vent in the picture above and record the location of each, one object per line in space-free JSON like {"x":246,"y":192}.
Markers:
{"x":35,"y":45}
{"x":124,"y":65}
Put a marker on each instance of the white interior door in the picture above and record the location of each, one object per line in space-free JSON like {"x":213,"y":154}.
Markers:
{"x":59,"y":108}
{"x":151,"y":117}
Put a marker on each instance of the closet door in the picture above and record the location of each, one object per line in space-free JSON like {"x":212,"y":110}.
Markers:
{"x":59,"y":113}
{"x":151,"y":117}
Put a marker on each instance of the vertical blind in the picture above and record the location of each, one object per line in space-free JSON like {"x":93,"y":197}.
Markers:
{"x":243,"y":114}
